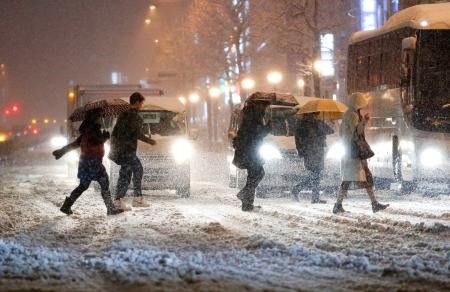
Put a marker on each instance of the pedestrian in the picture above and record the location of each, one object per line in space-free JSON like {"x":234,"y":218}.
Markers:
{"x":253,"y":128}
{"x":124,"y":140}
{"x":355,"y":172}
{"x":90,"y":167}
{"x":310,"y":141}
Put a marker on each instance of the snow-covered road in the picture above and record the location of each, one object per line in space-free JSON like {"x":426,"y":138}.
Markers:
{"x":206,"y":243}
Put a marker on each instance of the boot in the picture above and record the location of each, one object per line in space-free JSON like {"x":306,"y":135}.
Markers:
{"x":139,"y":202}
{"x":378,"y":207}
{"x":120,"y":204}
{"x":111,"y":209}
{"x":338,"y":208}
{"x":65,"y":208}
{"x":246,"y":207}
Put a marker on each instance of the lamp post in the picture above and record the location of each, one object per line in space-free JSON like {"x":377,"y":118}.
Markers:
{"x":247,"y":84}
{"x":274,"y":78}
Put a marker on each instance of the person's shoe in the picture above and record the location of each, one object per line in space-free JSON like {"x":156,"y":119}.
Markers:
{"x":139,"y":202}
{"x":120,"y":204}
{"x":114,"y":211}
{"x":250,"y":207}
{"x":378,"y":207}
{"x":338,"y":208}
{"x":65,"y":208}
{"x":318,"y":201}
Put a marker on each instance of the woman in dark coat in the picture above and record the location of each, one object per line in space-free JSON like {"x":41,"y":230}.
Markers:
{"x":90,"y":167}
{"x":249,"y":137}
{"x":310,"y":140}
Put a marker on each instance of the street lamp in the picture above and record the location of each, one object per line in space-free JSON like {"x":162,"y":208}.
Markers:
{"x":274,"y":78}
{"x":148,"y":21}
{"x":152,"y":7}
{"x":301,"y":86}
{"x":248,"y":84}
{"x":214,"y":92}
{"x":194,"y":98}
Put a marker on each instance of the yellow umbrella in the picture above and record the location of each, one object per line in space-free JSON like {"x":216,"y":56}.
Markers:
{"x":329,"y":109}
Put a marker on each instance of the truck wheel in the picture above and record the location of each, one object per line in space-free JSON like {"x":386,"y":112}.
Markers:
{"x":184,"y":191}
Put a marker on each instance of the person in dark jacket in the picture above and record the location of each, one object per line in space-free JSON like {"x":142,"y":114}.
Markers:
{"x":90,"y":167}
{"x":249,"y":137}
{"x":310,"y":141}
{"x":124,"y":140}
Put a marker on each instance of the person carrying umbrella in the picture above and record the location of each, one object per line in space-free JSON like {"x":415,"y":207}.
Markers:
{"x":127,"y":131}
{"x":310,"y":141}
{"x":355,"y":171}
{"x":252,"y":130}
{"x":90,"y":167}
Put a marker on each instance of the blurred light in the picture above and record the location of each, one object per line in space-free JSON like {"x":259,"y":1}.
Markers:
{"x":214,"y":92}
{"x":71,"y":95}
{"x":334,"y":97}
{"x":46,"y":121}
{"x":248,"y":83}
{"x":181,"y":150}
{"x":431,"y":157}
{"x":15,"y":108}
{"x":182,"y":99}
{"x":274,"y":77}
{"x":301,"y":83}
{"x":152,"y":7}
{"x":33,"y":121}
{"x":336,"y":151}
{"x":58,"y":141}
{"x":35,"y":131}
{"x":156,"y":41}
{"x":54,"y":121}
{"x":269,"y":152}
{"x":148,"y":21}
{"x":193,"y":97}
{"x":424,"y":23}
{"x":7,"y":112}
{"x":3,"y":137}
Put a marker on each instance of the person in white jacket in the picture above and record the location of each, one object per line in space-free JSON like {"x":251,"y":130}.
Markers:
{"x":355,"y":173}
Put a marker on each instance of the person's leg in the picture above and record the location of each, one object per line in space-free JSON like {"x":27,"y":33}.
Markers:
{"x":123,"y":182}
{"x":106,"y":195}
{"x":340,"y":198}
{"x":74,"y":195}
{"x":254,"y":176}
{"x":138,"y":172}
{"x":315,"y":187}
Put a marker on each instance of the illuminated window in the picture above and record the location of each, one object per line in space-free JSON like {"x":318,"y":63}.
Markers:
{"x":368,"y":14}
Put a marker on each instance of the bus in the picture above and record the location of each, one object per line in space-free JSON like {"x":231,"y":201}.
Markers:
{"x":405,"y":68}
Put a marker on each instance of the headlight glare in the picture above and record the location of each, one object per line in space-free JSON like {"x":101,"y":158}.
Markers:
{"x":181,"y":150}
{"x":336,"y":151}
{"x":269,"y":152}
{"x":58,"y":141}
{"x":431,"y":157}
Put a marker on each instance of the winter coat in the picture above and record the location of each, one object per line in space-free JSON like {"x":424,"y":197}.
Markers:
{"x":248,"y":140}
{"x":127,"y":130}
{"x":310,"y":141}
{"x":351,"y":169}
{"x":90,"y":141}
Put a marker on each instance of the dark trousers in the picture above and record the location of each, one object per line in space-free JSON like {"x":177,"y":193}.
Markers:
{"x":255,"y":174}
{"x":130,"y":166}
{"x":84,"y":185}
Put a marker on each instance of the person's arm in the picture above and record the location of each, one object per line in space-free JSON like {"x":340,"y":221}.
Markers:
{"x":69,"y":147}
{"x":139,"y":126}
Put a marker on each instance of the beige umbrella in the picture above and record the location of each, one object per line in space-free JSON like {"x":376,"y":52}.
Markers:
{"x":329,"y":109}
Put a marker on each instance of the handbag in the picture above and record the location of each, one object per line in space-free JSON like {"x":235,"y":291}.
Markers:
{"x":359,"y":148}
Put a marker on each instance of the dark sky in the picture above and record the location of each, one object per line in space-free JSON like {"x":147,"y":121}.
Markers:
{"x":45,"y":44}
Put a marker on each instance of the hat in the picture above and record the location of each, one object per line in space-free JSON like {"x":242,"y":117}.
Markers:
{"x":358,"y":100}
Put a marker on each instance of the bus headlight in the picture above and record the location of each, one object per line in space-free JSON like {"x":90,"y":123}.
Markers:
{"x":269,"y":152}
{"x":58,"y":141}
{"x":336,"y":151}
{"x":181,"y":150}
{"x":431,"y":157}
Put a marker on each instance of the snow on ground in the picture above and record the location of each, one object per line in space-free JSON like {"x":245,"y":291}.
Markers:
{"x":206,"y":243}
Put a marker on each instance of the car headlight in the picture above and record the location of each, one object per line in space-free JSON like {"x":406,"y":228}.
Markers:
{"x":269,"y":152}
{"x":58,"y":141}
{"x":181,"y":150}
{"x":336,"y":151}
{"x":431,"y":157}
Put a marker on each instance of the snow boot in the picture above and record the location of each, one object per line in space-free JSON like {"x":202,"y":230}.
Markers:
{"x":338,"y":208}
{"x":120,"y":204}
{"x":65,"y":208}
{"x":316,"y":200}
{"x":140,"y":202}
{"x":111,"y":209}
{"x":378,"y":207}
{"x":246,"y":207}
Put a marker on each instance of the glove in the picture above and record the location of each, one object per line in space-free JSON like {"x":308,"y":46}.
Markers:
{"x":58,"y":153}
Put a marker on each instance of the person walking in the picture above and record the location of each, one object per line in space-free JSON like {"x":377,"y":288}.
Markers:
{"x":355,"y":172}
{"x":252,"y":130}
{"x":124,"y":139}
{"x":90,"y":167}
{"x":310,"y":141}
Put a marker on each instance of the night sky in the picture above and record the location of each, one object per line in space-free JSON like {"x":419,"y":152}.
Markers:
{"x":46,"y":44}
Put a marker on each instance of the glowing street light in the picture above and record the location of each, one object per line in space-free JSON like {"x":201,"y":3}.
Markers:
{"x":46,"y":121}
{"x":148,"y":21}
{"x":248,"y":84}
{"x":71,"y":95}
{"x":194,"y":98}
{"x":156,"y":41}
{"x":33,"y":121}
{"x":152,"y":7}
{"x":214,"y":92}
{"x":274,"y":78}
